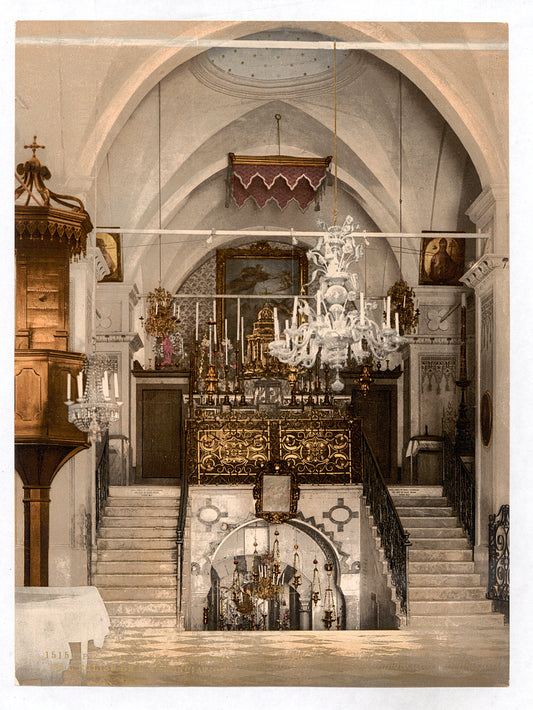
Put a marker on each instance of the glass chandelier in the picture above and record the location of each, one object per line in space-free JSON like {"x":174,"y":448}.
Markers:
{"x":336,"y":329}
{"x":94,"y":409}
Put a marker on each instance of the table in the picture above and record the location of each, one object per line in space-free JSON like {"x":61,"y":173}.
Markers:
{"x":47,"y":620}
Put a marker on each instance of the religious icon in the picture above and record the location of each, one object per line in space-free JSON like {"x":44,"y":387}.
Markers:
{"x":442,"y":261}
{"x":109,"y":245}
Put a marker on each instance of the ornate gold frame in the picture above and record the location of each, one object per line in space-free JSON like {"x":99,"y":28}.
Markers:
{"x":259,"y":250}
{"x":276,"y":468}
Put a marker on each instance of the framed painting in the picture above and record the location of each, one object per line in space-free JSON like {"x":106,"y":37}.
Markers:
{"x":442,"y":261}
{"x":260,"y":269}
{"x":276,"y":492}
{"x":111,"y":248}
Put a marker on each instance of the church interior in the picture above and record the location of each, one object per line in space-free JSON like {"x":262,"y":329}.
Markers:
{"x":261,"y":352}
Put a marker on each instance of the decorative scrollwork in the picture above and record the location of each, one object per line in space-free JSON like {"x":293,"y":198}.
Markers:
{"x":459,"y":488}
{"x":498,"y":587}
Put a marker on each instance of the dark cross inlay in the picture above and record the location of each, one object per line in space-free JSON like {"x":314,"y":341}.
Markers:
{"x":340,"y":514}
{"x":209,"y":514}
{"x":34,"y":146}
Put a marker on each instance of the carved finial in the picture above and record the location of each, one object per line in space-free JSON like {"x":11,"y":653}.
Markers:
{"x":34,"y":146}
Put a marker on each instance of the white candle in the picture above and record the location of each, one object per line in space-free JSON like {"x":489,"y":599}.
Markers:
{"x":294,"y":311}
{"x":276,"y":324}
{"x":226,"y":338}
{"x":80,"y":385}
{"x":388,"y":311}
{"x":463,"y":300}
{"x":197,"y":319}
{"x":214,"y":310}
{"x":210,"y":345}
{"x":115,"y":382}
{"x":174,"y":313}
{"x":397,"y":322}
{"x":105,"y":385}
{"x":238,"y":318}
{"x":178,"y":312}
{"x":242,"y":339}
{"x":68,"y":387}
{"x":362,"y":307}
{"x":156,"y":308}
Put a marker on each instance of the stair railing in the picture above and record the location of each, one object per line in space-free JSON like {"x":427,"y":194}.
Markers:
{"x":459,"y":488}
{"x":102,"y":480}
{"x":180,"y":532}
{"x":498,"y":584}
{"x":394,"y":539}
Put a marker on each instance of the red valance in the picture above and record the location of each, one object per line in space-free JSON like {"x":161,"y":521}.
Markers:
{"x":277,"y":177}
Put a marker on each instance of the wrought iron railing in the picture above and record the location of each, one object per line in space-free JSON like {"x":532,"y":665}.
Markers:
{"x":180,"y":531}
{"x":102,"y":480}
{"x":459,"y":488}
{"x":394,"y":539}
{"x":498,"y":586}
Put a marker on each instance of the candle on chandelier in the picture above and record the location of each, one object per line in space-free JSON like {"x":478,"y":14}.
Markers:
{"x":397,"y":322}
{"x":197,"y":318}
{"x":68,"y":386}
{"x":80,"y":385}
{"x":388,"y":311}
{"x":105,"y":385}
{"x":115,"y":383}
{"x":226,"y":339}
{"x":294,"y":311}
{"x":276,"y":324}
{"x":362,"y":307}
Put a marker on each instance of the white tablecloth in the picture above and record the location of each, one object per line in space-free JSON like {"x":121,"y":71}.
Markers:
{"x":47,"y":619}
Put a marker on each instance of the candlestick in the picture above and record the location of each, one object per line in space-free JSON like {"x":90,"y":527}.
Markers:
{"x":68,"y":386}
{"x":388,"y":311}
{"x":362,"y":307}
{"x":80,"y":385}
{"x":210,"y":345}
{"x":242,"y":339}
{"x":397,"y":322}
{"x":226,"y":339}
{"x":197,"y":318}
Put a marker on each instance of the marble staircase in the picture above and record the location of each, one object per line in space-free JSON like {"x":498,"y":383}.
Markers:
{"x":444,"y":590}
{"x":136,"y":556}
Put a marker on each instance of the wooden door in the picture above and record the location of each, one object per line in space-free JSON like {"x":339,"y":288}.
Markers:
{"x":379,"y":411}
{"x":159,"y":434}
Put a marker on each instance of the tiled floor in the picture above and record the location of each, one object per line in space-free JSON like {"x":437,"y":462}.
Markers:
{"x":306,"y":658}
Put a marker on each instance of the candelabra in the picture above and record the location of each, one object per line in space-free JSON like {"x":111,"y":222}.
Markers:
{"x":329,"y":600}
{"x":336,"y":328}
{"x":162,"y":323}
{"x":94,"y":410}
{"x":403,"y":302}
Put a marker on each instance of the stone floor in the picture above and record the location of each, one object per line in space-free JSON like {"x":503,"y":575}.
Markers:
{"x":306,"y":658}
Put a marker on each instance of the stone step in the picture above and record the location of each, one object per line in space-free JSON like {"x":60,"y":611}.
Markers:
{"x":125,"y":567}
{"x":150,"y":511}
{"x":452,"y":543}
{"x":462,"y":622}
{"x":143,"y":621}
{"x":435,"y":533}
{"x":138,"y":532}
{"x":446,"y":593}
{"x":135,"y":580}
{"x":415,"y":523}
{"x":444,"y":567}
{"x":111,"y":521}
{"x":136,"y":555}
{"x":450,"y":608}
{"x":152,"y":503}
{"x":416,"y":555}
{"x":444,"y":580}
{"x":144,"y":491}
{"x":424,"y":512}
{"x":141,"y":608}
{"x":137,"y":593}
{"x":117,"y":543}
